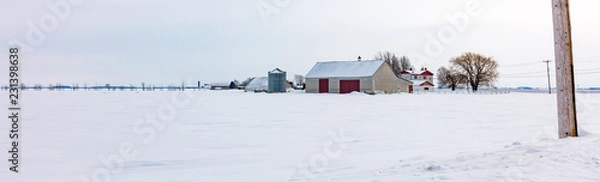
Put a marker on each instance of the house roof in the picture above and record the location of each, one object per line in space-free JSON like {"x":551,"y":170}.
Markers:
{"x":427,"y":73}
{"x":405,"y":72}
{"x":341,"y":69}
{"x":421,"y":82}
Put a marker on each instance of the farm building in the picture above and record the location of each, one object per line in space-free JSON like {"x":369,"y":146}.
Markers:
{"x":260,"y":84}
{"x":422,"y":85}
{"x":220,"y":86}
{"x":277,"y":81}
{"x":422,"y":81}
{"x":349,"y":76}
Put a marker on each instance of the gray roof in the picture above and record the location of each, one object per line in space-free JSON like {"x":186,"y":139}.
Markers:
{"x":344,"y":69}
{"x":277,"y":70}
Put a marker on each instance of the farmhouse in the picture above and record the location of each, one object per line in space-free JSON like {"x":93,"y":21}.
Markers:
{"x":349,"y":76}
{"x":422,"y":81}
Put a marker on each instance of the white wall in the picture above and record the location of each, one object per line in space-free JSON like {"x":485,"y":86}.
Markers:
{"x":422,"y":88}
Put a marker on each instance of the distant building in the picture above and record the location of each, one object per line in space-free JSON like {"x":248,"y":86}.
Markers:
{"x":220,"y":86}
{"x":260,"y":84}
{"x":422,"y":81}
{"x":354,"y":76}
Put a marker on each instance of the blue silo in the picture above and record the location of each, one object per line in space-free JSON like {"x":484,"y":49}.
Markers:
{"x":277,"y":81}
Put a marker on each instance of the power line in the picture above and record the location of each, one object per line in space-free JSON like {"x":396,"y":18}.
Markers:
{"x":539,"y":72}
{"x":518,"y":65}
{"x":528,"y":73}
{"x":578,"y":60}
{"x":541,"y":76}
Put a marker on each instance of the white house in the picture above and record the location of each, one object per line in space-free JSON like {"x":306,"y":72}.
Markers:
{"x":422,"y":81}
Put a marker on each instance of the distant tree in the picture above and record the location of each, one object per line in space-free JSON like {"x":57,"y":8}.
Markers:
{"x":405,"y":63}
{"x":391,"y":59}
{"x":476,"y":68}
{"x":450,"y":78}
{"x":232,"y":85}
{"x":298,"y":80}
{"x":247,"y":81}
{"x":143,"y":86}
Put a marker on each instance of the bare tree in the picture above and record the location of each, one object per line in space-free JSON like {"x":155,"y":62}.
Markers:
{"x":405,"y":63}
{"x":450,"y":78}
{"x":476,"y":68}
{"x":391,"y":59}
{"x":247,"y":81}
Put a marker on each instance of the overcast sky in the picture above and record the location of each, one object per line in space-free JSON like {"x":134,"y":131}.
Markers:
{"x":163,"y":42}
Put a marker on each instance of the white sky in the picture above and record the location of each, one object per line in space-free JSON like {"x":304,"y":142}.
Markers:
{"x":164,"y":42}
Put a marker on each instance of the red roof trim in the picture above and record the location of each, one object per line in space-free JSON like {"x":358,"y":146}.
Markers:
{"x":405,"y":72}
{"x":426,"y":83}
{"x":427,"y":73}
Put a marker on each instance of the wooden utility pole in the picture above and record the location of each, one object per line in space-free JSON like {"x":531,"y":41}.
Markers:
{"x":565,"y":84}
{"x":548,"y":72}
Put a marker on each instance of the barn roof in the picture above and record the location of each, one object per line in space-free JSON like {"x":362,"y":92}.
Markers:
{"x":341,"y":69}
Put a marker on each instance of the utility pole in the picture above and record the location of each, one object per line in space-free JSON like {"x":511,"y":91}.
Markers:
{"x":548,"y":71}
{"x":565,"y":84}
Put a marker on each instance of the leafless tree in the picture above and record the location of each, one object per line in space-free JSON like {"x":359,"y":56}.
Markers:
{"x":391,"y":59}
{"x":450,"y":78}
{"x":405,"y":63}
{"x":247,"y":81}
{"x":478,"y":69}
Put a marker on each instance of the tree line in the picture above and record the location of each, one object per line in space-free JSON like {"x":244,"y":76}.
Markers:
{"x":398,"y":63}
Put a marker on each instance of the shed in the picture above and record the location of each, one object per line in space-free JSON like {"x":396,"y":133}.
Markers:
{"x":354,"y":76}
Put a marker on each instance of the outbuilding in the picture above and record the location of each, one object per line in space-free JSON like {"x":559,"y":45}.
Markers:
{"x":354,"y":76}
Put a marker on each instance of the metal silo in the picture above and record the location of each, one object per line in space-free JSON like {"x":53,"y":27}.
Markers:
{"x":277,"y":81}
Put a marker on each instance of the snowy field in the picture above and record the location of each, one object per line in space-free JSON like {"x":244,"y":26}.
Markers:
{"x":235,"y":136}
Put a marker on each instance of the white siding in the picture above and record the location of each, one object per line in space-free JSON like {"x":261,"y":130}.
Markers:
{"x":417,"y":88}
{"x":312,"y":85}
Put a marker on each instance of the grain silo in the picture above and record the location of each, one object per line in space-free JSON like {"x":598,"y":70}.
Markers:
{"x":277,"y":81}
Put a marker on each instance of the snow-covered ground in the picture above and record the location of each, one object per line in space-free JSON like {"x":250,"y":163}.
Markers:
{"x":237,"y":136}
